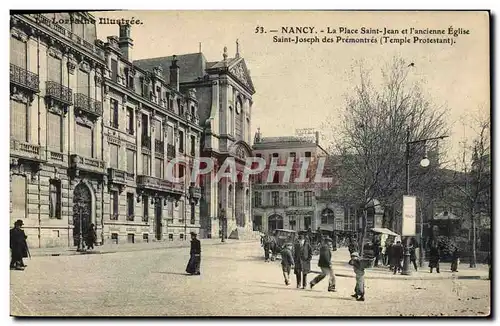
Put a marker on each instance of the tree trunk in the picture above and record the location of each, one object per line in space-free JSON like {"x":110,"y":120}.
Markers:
{"x":363,"y":232}
{"x":472,"y":263}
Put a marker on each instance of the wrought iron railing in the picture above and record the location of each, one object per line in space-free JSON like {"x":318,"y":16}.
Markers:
{"x":146,"y":142}
{"x":24,"y":78}
{"x":159,"y":146}
{"x":59,"y":92}
{"x":88,"y":104}
{"x":170,"y":151}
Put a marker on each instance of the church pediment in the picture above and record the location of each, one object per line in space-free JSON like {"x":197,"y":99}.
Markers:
{"x":240,"y":150}
{"x":240,"y":71}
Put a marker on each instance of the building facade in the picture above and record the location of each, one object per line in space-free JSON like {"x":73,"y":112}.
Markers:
{"x":288,"y":205}
{"x":224,"y":91}
{"x":92,"y":135}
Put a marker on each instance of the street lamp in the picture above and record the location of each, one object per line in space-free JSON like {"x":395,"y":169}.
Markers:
{"x":424,"y":163}
{"x":81,"y":247}
{"x":222,"y":214}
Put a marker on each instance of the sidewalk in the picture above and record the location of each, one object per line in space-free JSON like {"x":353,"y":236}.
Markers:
{"x":129,"y":247}
{"x":343,"y":269}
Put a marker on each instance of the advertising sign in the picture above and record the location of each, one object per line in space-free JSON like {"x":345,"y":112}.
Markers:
{"x":409,"y":216}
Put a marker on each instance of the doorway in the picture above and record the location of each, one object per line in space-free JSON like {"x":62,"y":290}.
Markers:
{"x":82,"y":210}
{"x":158,"y":218}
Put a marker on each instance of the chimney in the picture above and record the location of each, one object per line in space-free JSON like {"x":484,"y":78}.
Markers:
{"x":174,"y":73}
{"x":125,"y":42}
{"x":317,"y":137}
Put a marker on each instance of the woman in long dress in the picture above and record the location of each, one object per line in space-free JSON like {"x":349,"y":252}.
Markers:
{"x":193,"y":266}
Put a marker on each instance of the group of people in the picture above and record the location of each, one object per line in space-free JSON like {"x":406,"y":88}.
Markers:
{"x":298,"y":256}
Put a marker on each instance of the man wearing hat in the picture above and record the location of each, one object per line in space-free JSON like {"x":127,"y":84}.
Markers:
{"x":359,"y":270}
{"x":287,"y":261}
{"x":325,"y":263}
{"x":18,"y":246}
{"x":193,"y":266}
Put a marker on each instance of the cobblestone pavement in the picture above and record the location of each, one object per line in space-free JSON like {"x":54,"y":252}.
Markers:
{"x":235,"y":281}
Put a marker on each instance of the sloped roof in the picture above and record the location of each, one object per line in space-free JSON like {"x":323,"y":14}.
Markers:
{"x":191,"y":66}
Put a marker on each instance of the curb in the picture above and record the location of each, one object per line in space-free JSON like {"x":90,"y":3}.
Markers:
{"x":131,"y":249}
{"x":399,"y":277}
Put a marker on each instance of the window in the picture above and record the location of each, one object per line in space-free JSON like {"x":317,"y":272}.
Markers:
{"x":181,"y":141}
{"x":144,"y":87}
{"x":230,"y":198}
{"x":258,"y":155}
{"x":114,"y":238}
{"x":83,"y":140}
{"x":158,"y":133}
{"x":193,"y":112}
{"x":292,"y":198}
{"x":18,"y":52}
{"x":114,"y":113}
{"x":130,"y":121}
{"x":181,"y":171}
{"x":145,"y":164}
{"x":113,"y":153}
{"x":276,"y":155}
{"x":145,"y":125}
{"x":257,"y":200}
{"x":181,"y":236}
{"x":130,"y":206}
{"x":83,"y":82}
{"x":308,"y":154}
{"x":19,"y":121}
{"x":193,"y":216}
{"x":293,"y":154}
{"x":55,"y":70}
{"x":18,"y":196}
{"x":145,"y":208}
{"x":231,"y":121}
{"x":327,"y":216}
{"x":308,"y":198}
{"x":130,"y":236}
{"x":170,"y":237}
{"x":55,"y":199}
{"x":293,"y":175}
{"x":114,"y":70}
{"x":276,"y":177}
{"x":170,"y":135}
{"x":114,"y":203}
{"x":130,"y":161}
{"x":129,"y":78}
{"x":180,"y":107}
{"x":181,"y":211}
{"x":292,"y":222}
{"x":158,"y":168}
{"x":193,"y":145}
{"x":54,"y":124}
{"x":171,"y":104}
{"x":145,"y":237}
{"x":275,"y":197}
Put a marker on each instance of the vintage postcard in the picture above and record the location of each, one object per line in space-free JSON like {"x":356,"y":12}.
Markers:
{"x":250,"y":163}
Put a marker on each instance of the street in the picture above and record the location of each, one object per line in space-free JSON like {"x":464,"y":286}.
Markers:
{"x":235,"y":281}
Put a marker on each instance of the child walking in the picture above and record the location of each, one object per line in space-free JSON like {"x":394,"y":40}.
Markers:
{"x":287,"y":262}
{"x":359,"y":270}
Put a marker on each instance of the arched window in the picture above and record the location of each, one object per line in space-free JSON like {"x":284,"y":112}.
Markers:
{"x":327,"y":216}
{"x":274,"y":222}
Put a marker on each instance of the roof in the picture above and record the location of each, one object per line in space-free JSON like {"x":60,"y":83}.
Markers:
{"x":446,"y":216}
{"x":191,"y":66}
{"x":384,"y":231}
{"x":284,"y":142}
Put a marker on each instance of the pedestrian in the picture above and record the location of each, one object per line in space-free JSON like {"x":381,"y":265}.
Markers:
{"x":91,"y":237}
{"x":267,"y":247}
{"x":297,"y":269}
{"x":352,"y":246}
{"x":413,"y":256}
{"x":359,"y":270}
{"x":455,"y":260}
{"x":306,"y":253}
{"x":325,"y":263}
{"x":376,"y":251}
{"x":287,"y":262}
{"x":397,"y":255}
{"x":434,"y":257}
{"x":18,"y":246}
{"x":193,"y":266}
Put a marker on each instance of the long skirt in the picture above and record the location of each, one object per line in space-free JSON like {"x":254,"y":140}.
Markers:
{"x":193,"y":266}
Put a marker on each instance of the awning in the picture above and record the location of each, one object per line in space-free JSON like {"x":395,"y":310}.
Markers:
{"x":384,"y":231}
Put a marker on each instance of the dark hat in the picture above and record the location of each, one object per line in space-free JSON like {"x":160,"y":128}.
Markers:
{"x":19,"y":222}
{"x":328,"y":239}
{"x":301,"y":237}
{"x":193,"y":233}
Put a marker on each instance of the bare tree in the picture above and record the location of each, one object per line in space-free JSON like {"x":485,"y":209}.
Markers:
{"x":376,"y":122}
{"x":475,"y":185}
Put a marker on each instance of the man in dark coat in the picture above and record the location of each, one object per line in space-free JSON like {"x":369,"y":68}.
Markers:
{"x":434,"y":257}
{"x":268,"y":246}
{"x":413,"y":256}
{"x":18,"y":246}
{"x":397,"y":253}
{"x":91,"y":237}
{"x":287,"y":262}
{"x":325,"y":263}
{"x":297,"y":270}
{"x":306,"y":253}
{"x":193,"y":266}
{"x":455,"y":260}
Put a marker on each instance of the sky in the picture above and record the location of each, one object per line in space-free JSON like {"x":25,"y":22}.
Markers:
{"x":300,"y":85}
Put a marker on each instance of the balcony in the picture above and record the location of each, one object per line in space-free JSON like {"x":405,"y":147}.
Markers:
{"x":87,"y":104}
{"x":117,"y":176}
{"x":24,"y":78}
{"x":160,"y":185}
{"x":159,"y":146}
{"x":81,"y":163}
{"x":146,"y":142}
{"x":27,"y":151}
{"x":273,"y":205}
{"x":59,"y":93}
{"x":170,"y":151}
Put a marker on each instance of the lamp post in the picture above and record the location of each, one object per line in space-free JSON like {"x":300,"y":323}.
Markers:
{"x":424,"y":163}
{"x":223,"y":220}
{"x":81,"y":247}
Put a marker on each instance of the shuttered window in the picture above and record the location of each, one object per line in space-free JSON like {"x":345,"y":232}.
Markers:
{"x":113,"y":149}
{"x":158,"y":168}
{"x":83,"y":140}
{"x":158,"y":133}
{"x":18,"y":197}
{"x":54,"y":136}
{"x":83,"y":82}
{"x":145,"y":164}
{"x":18,"y":52}
{"x":55,"y":70}
{"x":130,"y":161}
{"x":18,"y":120}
